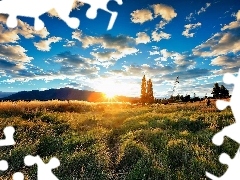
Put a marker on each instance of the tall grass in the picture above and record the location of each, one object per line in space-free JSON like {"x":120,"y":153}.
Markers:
{"x":116,"y":140}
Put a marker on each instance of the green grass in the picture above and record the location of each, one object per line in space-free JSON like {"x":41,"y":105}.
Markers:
{"x":116,"y":140}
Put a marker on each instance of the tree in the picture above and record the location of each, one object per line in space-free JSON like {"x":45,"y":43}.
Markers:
{"x":216,"y":91}
{"x":150,"y":97}
{"x":143,"y":91}
{"x":224,"y":93}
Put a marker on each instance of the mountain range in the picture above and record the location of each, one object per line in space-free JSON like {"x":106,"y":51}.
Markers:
{"x":64,"y":94}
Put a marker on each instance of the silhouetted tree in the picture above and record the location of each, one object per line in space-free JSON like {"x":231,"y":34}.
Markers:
{"x":181,"y":98}
{"x":224,"y":93}
{"x":150,"y":97}
{"x":187,"y":98}
{"x":143,"y":91}
{"x":216,"y":91}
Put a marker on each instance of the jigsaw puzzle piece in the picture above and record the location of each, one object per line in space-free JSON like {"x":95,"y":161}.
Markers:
{"x":229,"y":78}
{"x":8,"y":133}
{"x":62,"y":9}
{"x":96,"y":4}
{"x":44,"y":170}
{"x":12,"y":21}
{"x":232,"y":172}
{"x":3,"y":165}
{"x":231,"y":131}
{"x":18,"y":176}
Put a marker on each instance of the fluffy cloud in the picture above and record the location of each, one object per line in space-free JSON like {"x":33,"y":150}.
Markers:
{"x":228,"y":64}
{"x":28,"y":31}
{"x":14,"y":53}
{"x":142,"y":37}
{"x":104,"y":56}
{"x":234,"y":24}
{"x":6,"y":65}
{"x":23,"y":29}
{"x":226,"y":61}
{"x":106,"y":41}
{"x":166,"y":12}
{"x":44,"y":45}
{"x":114,"y":47}
{"x":7,"y":36}
{"x":68,"y":59}
{"x":238,"y":15}
{"x":190,"y":27}
{"x":139,"y":70}
{"x":159,"y":36}
{"x":187,"y":74}
{"x":141,"y":16}
{"x":219,"y":44}
{"x":222,"y":43}
{"x":180,"y":61}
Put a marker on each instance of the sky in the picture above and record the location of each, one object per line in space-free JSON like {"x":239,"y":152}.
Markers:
{"x":196,"y":40}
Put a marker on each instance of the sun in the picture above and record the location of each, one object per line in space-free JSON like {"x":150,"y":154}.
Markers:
{"x":110,"y":88}
{"x":110,"y":95}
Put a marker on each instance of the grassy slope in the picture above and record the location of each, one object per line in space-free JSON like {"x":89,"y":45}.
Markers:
{"x":116,"y":141}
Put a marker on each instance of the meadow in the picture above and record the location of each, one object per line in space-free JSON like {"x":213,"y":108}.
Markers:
{"x":116,"y":140}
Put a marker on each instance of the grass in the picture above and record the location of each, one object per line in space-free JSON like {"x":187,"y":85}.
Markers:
{"x":116,"y":140}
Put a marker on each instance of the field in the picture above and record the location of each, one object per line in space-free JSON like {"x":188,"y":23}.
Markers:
{"x":116,"y":140}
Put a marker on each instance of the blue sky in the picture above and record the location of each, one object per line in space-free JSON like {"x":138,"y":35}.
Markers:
{"x":197,"y":40}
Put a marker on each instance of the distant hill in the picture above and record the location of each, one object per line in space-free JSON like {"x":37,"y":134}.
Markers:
{"x":64,"y":94}
{"x":5,"y":94}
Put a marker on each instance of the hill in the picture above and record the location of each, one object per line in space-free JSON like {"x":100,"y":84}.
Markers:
{"x":5,"y":94}
{"x":65,"y":94}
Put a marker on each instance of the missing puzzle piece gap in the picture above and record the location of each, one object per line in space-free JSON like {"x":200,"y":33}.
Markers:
{"x":8,"y":133}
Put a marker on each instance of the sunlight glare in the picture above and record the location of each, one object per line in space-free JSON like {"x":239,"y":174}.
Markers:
{"x":110,"y":88}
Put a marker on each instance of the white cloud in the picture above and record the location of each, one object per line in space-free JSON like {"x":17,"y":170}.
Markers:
{"x":159,"y":36}
{"x":162,"y":24}
{"x":7,"y":36}
{"x":111,"y":48}
{"x":76,"y":5}
{"x":141,"y":16}
{"x":203,"y":9}
{"x":14,"y":53}
{"x":154,"y":53}
{"x":28,"y":31}
{"x":234,"y":24}
{"x":181,"y":61}
{"x":228,"y":64}
{"x":219,"y":44}
{"x":238,"y":15}
{"x":44,"y":45}
{"x":69,"y":43}
{"x":166,"y":12}
{"x":190,"y":27}
{"x":142,"y":37}
{"x":222,"y":43}
{"x":110,"y":57}
{"x":190,"y":17}
{"x":22,"y":29}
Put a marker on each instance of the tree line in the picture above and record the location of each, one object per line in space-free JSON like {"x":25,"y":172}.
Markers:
{"x":146,"y":91}
{"x":218,"y":92}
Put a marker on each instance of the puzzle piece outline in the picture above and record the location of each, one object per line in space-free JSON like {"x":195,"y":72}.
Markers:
{"x":8,"y":141}
{"x":35,"y":8}
{"x":231,"y":131}
{"x":44,"y":170}
{"x":96,"y":5}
